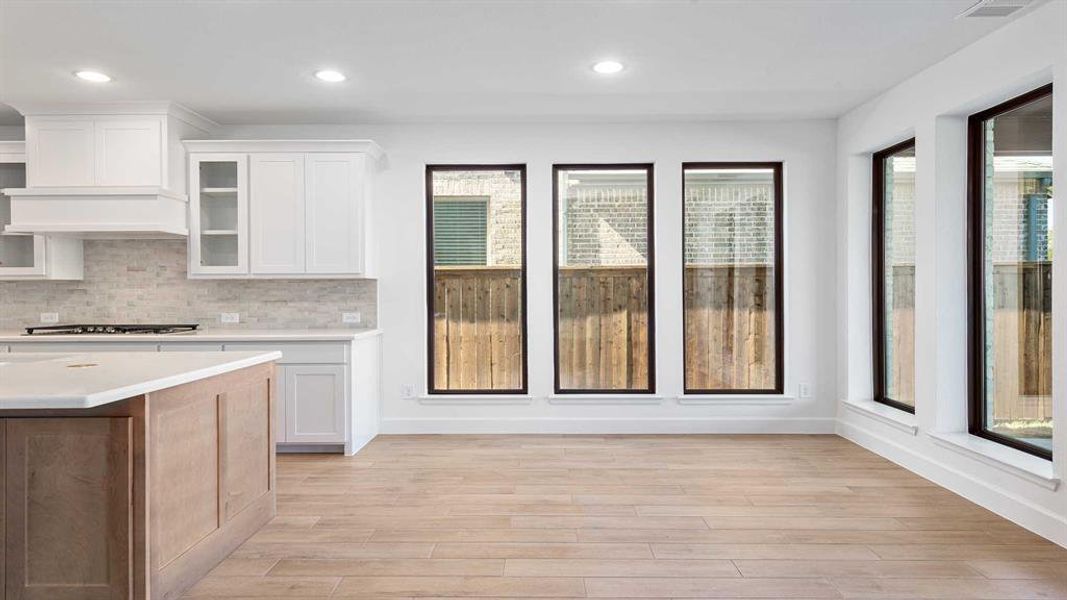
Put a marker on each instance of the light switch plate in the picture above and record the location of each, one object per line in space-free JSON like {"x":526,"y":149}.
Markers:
{"x":804,"y":390}
{"x":407,"y":391}
{"x":352,"y":318}
{"x":230,"y":318}
{"x":49,"y":317}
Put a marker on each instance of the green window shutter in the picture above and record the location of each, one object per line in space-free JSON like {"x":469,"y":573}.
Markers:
{"x":460,"y":231}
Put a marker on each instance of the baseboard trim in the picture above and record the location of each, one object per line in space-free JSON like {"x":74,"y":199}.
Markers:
{"x":609,"y":426}
{"x":1002,"y":502}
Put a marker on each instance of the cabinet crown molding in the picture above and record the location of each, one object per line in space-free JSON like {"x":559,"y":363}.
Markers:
{"x":119,"y":108}
{"x":368,"y":147}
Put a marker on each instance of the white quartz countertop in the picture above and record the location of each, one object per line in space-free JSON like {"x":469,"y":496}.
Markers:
{"x":204,"y":335}
{"x":88,"y":379}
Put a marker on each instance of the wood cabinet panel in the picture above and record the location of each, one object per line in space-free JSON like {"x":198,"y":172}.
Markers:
{"x":185,"y":462}
{"x":245,"y":447}
{"x":69,"y":508}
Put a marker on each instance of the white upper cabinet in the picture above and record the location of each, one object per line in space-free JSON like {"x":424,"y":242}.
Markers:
{"x":110,"y":170}
{"x":59,"y":152}
{"x":277,"y":204}
{"x":334,"y":213}
{"x":309,"y":207}
{"x":23,"y":255}
{"x":129,"y":152}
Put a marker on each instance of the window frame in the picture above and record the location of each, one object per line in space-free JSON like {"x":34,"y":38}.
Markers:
{"x":779,"y":279}
{"x":976,"y":309}
{"x":878,"y":317}
{"x":429,"y":239}
{"x":649,"y":169}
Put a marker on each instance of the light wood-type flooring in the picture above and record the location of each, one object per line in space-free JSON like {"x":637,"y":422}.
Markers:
{"x":627,"y":517}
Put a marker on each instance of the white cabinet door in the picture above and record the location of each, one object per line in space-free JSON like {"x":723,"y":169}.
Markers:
{"x":218,"y":214}
{"x":277,"y":213}
{"x":129,"y":152}
{"x":59,"y":152}
{"x":314,"y":403}
{"x":334,"y":213}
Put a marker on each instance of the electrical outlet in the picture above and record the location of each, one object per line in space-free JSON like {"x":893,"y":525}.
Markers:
{"x":49,"y":317}
{"x":804,"y":390}
{"x":352,"y":318}
{"x":230,"y":318}
{"x":407,"y":391}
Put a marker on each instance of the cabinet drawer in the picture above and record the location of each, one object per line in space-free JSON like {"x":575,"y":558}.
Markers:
{"x":85,"y":347}
{"x":191,"y":347}
{"x":296,"y":352}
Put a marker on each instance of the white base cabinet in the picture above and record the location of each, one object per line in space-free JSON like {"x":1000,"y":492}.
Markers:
{"x":314,"y":403}
{"x":328,"y":391}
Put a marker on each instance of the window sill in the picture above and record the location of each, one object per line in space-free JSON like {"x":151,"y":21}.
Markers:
{"x":473,"y":399}
{"x":735,"y":400}
{"x":1016,"y":462}
{"x":888,"y":415}
{"x":605,"y":399}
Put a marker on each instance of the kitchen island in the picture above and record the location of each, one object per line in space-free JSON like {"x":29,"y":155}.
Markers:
{"x":130,"y":474}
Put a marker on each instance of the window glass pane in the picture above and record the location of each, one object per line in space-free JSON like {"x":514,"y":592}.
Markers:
{"x":477,"y":310}
{"x":1017,"y":272}
{"x":898,"y":284}
{"x":730,"y":279}
{"x":603,"y":294}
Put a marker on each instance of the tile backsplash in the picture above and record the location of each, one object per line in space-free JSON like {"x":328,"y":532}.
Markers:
{"x":141,"y":281}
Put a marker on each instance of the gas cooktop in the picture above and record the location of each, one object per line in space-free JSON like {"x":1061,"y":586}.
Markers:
{"x":96,"y":329}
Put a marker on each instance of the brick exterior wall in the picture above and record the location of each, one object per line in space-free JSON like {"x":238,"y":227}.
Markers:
{"x":729,"y":223}
{"x":605,"y":225}
{"x":143,"y":281}
{"x":503,"y":190}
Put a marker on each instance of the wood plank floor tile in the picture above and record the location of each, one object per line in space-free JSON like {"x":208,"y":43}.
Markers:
{"x":423,"y":567}
{"x":761,"y":551}
{"x":523,"y":567}
{"x":854,"y":568}
{"x":952,"y":589}
{"x":709,"y":588}
{"x":538,"y":550}
{"x":265,"y":587}
{"x":493,"y":587}
{"x":647,"y":516}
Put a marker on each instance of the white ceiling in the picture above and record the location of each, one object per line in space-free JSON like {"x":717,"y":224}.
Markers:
{"x":252,"y":61}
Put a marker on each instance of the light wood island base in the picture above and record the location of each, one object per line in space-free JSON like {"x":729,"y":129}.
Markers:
{"x":138,"y":498}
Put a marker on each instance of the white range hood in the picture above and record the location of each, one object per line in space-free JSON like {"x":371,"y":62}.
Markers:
{"x":105,"y":171}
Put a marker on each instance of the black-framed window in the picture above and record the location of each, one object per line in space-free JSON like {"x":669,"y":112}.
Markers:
{"x":476,"y":279}
{"x":733,"y":331}
{"x":603,"y":278}
{"x":1010,"y":253}
{"x":893,"y":275}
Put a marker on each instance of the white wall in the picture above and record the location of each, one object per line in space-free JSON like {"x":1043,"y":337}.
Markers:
{"x":933,"y":106}
{"x":807,"y":149}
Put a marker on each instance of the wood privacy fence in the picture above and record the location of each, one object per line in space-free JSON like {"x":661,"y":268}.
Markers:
{"x":729,"y":326}
{"x":603,"y":328}
{"x":1021,"y":343}
{"x":477,"y":328}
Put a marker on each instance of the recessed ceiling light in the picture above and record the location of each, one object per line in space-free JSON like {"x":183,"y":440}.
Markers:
{"x":93,"y":76}
{"x":607,"y":67}
{"x":330,"y":75}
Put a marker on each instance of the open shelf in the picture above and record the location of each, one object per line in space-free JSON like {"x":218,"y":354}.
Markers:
{"x":219,"y":232}
{"x":217,"y":191}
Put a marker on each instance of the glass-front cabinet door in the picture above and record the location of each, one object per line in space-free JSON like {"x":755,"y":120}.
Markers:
{"x":218,"y":227}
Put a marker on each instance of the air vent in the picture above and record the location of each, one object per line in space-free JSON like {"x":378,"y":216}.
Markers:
{"x":994,"y":8}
